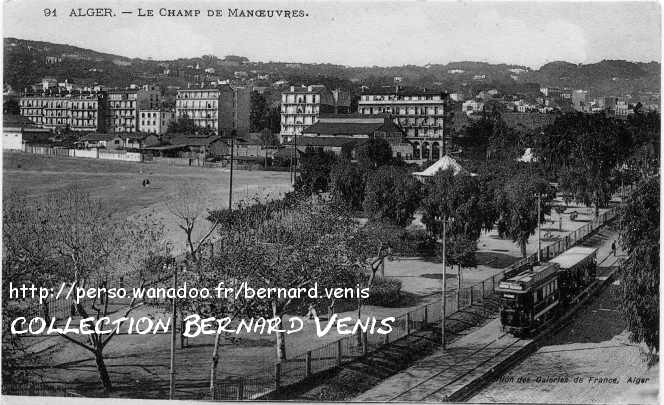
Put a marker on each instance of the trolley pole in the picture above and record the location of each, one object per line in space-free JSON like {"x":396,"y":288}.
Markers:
{"x":444,"y":288}
{"x":173,"y":334}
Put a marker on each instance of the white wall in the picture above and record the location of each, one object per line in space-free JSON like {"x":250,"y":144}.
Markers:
{"x":12,"y":141}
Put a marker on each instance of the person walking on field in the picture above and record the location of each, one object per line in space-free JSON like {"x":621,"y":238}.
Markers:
{"x":613,"y":248}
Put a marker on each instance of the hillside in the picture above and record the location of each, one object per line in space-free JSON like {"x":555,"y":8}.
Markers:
{"x":26,"y":62}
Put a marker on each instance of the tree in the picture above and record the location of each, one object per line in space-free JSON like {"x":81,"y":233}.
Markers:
{"x":517,"y":206}
{"x":258,"y":112}
{"x":639,"y":287}
{"x":301,"y":246}
{"x":79,"y":242}
{"x":347,"y":183}
{"x":458,"y":198}
{"x":374,"y":153}
{"x":315,"y":167}
{"x":584,"y":150}
{"x":186,"y":125}
{"x":391,"y":193}
{"x":188,"y":208}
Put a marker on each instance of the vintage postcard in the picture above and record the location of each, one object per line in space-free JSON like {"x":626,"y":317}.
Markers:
{"x":318,"y":201}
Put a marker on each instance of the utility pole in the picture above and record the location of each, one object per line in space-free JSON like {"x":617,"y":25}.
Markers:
{"x":173,"y":334}
{"x":230,"y":186}
{"x":295,"y":163}
{"x":444,"y":288}
{"x":539,"y":241}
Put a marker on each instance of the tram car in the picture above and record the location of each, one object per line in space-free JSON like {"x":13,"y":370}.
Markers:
{"x":578,"y":268}
{"x":537,"y":295}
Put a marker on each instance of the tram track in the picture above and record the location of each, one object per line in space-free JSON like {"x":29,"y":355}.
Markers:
{"x":493,"y":358}
{"x":433,"y":379}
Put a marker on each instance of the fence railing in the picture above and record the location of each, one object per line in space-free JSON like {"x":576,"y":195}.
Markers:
{"x":346,"y":349}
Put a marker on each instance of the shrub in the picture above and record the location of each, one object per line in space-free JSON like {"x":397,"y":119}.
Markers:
{"x":384,"y":292}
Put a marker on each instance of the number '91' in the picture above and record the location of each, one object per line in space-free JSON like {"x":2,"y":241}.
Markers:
{"x":49,"y":12}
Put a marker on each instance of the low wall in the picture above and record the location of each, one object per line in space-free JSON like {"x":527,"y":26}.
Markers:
{"x":84,"y":153}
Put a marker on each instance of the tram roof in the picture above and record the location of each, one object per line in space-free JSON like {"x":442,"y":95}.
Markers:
{"x":526,"y":279}
{"x":574,"y":256}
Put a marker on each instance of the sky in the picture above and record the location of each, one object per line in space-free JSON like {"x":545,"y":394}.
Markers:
{"x":375,"y":33}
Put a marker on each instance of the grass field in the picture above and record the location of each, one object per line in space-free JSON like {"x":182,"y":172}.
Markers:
{"x":120,"y":184}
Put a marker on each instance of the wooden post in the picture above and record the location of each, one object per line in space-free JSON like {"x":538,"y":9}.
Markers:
{"x":339,"y":352}
{"x":240,"y":390}
{"x":307,"y":372}
{"x":277,"y":376}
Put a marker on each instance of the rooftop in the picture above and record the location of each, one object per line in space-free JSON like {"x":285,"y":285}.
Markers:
{"x":316,"y":141}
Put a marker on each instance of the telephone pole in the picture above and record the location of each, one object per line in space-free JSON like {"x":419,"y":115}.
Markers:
{"x":539,"y":240}
{"x":230,"y":185}
{"x":444,"y":287}
{"x":173,"y":333}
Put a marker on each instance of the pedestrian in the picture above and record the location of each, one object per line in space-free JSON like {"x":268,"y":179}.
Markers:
{"x":613,"y":248}
{"x":312,"y":312}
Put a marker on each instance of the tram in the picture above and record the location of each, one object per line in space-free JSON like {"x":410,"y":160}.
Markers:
{"x":536,"y":296}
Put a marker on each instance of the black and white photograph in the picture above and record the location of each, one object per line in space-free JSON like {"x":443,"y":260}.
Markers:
{"x":330,"y":201}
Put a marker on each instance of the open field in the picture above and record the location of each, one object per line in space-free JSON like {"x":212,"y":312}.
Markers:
{"x":120,"y":184}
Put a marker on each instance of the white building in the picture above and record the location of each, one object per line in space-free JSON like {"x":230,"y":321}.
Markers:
{"x":301,"y":107}
{"x":154,"y":121}
{"x":472,"y":107}
{"x":419,"y":112}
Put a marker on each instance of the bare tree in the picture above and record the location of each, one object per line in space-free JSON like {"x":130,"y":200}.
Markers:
{"x":83,"y":245}
{"x":191,"y":213}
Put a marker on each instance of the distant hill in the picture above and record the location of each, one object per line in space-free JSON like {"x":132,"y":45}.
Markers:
{"x":26,"y":62}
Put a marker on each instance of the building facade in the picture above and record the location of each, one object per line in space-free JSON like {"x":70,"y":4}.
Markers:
{"x":84,"y":112}
{"x":218,"y":108}
{"x":149,"y":97}
{"x":301,"y":107}
{"x":330,"y":130}
{"x":154,"y":121}
{"x":88,"y":112}
{"x":420,"y":113}
{"x":123,"y":111}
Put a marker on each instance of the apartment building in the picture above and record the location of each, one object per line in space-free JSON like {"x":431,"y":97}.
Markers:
{"x":154,"y":121}
{"x":149,"y":97}
{"x":88,"y":112}
{"x":123,"y":111}
{"x":220,"y":108}
{"x":419,"y":112}
{"x":84,"y":112}
{"x":301,"y":107}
